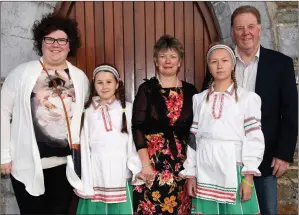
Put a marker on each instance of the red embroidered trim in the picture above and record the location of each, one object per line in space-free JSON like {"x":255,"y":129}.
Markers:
{"x":231,"y":92}
{"x":252,"y":129}
{"x":215,"y":196}
{"x":106,"y":117}
{"x":111,"y":196}
{"x":251,"y":172}
{"x":221,"y":106}
{"x":110,"y":200}
{"x":252,"y":118}
{"x":240,"y":164}
{"x":94,"y":105}
{"x":227,"y":194}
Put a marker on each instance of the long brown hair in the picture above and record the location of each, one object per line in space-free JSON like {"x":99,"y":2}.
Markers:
{"x":120,"y":94}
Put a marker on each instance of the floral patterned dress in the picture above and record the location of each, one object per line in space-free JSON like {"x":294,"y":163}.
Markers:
{"x":167,"y":193}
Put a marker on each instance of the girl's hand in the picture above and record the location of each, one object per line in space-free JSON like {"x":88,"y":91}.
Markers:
{"x":191,"y":186}
{"x":6,"y":168}
{"x":246,"y":188}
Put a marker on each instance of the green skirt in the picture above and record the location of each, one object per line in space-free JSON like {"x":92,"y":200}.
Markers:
{"x":202,"y":206}
{"x":86,"y":206}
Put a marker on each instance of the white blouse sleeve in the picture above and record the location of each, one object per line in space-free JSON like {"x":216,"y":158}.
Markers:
{"x":133,"y":162}
{"x":196,"y":110}
{"x":254,"y":143}
{"x":190,"y":163}
{"x":86,"y":190}
{"x":8,"y":94}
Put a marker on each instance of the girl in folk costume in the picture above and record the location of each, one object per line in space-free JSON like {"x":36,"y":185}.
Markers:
{"x":226,"y":144}
{"x":107,"y":150}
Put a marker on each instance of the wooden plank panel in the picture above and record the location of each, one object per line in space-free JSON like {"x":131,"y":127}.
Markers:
{"x":129,"y":50}
{"x":139,"y":23}
{"x":64,"y":8}
{"x":99,"y":33}
{"x":72,"y":14}
{"x":189,"y":42}
{"x":118,"y":37}
{"x":159,"y":19}
{"x":150,"y":38}
{"x":109,"y":32}
{"x":206,"y":41}
{"x":199,"y":64}
{"x":179,"y":32}
{"x":137,"y":31}
{"x":209,"y":21}
{"x":90,"y":39}
{"x":169,"y":18}
{"x":80,"y":17}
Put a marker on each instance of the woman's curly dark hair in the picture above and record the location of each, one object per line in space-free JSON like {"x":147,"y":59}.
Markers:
{"x":52,"y":22}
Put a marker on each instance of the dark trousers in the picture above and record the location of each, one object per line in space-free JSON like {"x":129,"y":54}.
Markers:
{"x":266,"y":191}
{"x":56,"y":199}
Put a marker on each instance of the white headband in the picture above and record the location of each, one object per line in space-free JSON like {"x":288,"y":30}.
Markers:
{"x":220,"y":46}
{"x":106,"y":68}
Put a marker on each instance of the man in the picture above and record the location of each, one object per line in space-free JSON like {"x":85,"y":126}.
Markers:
{"x":271,"y":75}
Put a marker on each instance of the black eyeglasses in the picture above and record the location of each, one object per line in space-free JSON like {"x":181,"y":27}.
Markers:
{"x":60,"y":41}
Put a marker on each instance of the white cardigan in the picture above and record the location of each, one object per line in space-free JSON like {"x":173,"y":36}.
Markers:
{"x":18,"y":142}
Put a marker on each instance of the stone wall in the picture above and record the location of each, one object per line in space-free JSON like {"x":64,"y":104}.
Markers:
{"x":17,"y":47}
{"x":16,"y":38}
{"x":284,"y":16}
{"x":284,"y":19}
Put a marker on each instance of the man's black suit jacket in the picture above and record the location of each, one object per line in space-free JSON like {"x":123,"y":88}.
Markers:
{"x":276,"y":85}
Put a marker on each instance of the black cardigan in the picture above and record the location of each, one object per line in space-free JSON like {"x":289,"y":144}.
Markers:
{"x":150,"y":114}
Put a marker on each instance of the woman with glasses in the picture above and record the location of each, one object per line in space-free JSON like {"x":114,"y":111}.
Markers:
{"x":42,"y":103}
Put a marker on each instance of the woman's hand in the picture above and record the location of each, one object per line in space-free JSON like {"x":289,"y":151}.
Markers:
{"x":246,"y":188}
{"x":6,"y":168}
{"x":148,"y":173}
{"x":191,"y":186}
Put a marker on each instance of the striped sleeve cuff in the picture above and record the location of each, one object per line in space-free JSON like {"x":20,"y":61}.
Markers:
{"x":194,"y":128}
{"x":252,"y":124}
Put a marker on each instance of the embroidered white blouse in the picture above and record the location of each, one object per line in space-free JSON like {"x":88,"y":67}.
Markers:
{"x":227,"y":133}
{"x":108,"y":156}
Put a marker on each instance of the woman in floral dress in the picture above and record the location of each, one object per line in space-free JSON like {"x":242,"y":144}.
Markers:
{"x":162,"y":116}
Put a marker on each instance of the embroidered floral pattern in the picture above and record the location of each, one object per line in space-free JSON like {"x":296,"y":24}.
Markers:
{"x":174,"y":104}
{"x":138,"y":189}
{"x":169,"y":204}
{"x":156,"y":195}
{"x":147,"y":208}
{"x":167,"y":194}
{"x":155,"y":144}
{"x":165,"y":177}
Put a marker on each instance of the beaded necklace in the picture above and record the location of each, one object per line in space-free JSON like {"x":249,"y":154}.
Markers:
{"x":177,"y":83}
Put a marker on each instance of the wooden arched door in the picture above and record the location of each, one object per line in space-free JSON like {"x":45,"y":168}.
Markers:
{"x":124,"y":33}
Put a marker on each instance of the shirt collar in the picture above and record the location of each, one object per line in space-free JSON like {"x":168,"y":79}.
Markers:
{"x":257,"y":54}
{"x":96,"y":103}
{"x":229,"y":91}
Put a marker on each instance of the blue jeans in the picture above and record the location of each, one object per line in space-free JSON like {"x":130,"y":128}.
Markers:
{"x":266,"y":190}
